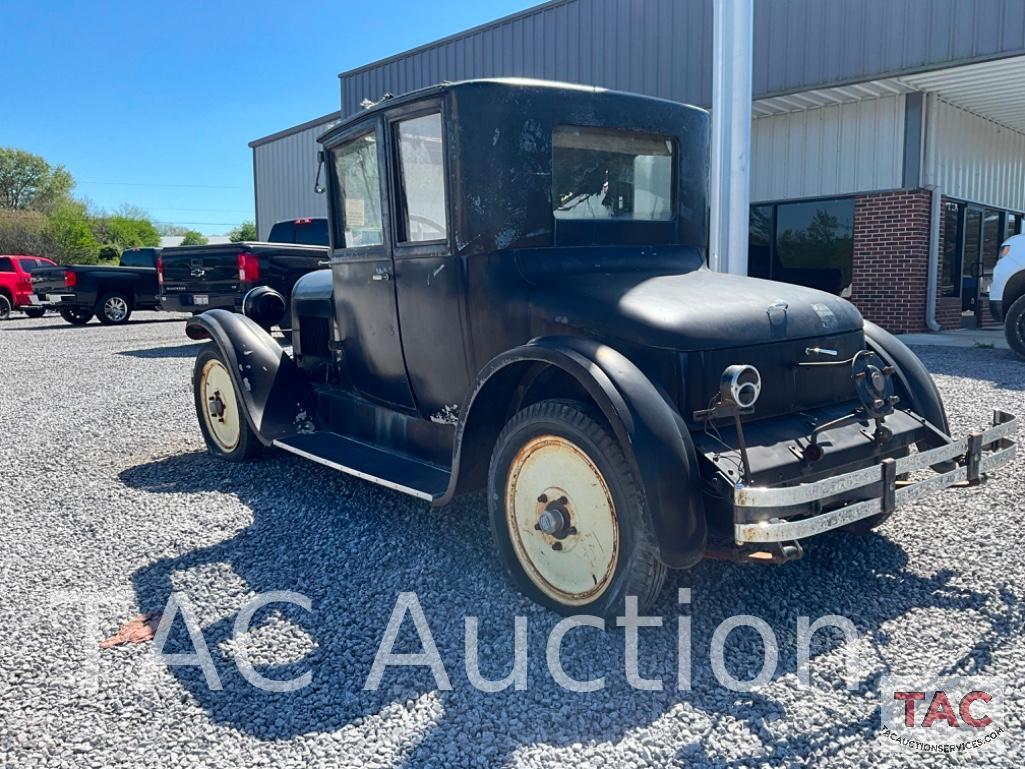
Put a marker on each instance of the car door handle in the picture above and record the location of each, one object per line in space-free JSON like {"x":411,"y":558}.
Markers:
{"x":382,"y":275}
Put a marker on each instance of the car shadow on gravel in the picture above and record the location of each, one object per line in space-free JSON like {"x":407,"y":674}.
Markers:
{"x":188,"y":350}
{"x":90,"y":325}
{"x":351,"y":548}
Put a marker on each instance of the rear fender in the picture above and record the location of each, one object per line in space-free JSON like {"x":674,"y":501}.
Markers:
{"x":650,"y":432}
{"x":276,"y":395}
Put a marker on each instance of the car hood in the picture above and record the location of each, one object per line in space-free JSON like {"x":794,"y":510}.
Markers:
{"x":698,"y":310}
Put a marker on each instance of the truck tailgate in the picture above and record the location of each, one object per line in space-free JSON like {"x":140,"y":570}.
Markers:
{"x":197,"y":271}
{"x":49,"y":280}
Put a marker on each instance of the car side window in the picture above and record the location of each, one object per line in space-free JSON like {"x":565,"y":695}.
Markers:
{"x":358,"y":192}
{"x":6,"y":265}
{"x":422,"y":179}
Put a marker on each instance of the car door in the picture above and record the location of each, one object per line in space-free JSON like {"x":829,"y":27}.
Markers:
{"x":363,"y":268}
{"x":430,"y":284}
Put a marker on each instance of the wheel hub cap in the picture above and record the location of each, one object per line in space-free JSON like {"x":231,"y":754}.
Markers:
{"x":552,"y":522}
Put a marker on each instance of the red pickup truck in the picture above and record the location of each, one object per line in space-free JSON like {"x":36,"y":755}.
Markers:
{"x":16,"y":284}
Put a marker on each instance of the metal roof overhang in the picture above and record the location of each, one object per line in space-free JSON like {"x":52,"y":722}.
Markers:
{"x":994,"y":90}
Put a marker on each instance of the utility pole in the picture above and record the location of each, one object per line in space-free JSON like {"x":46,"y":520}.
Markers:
{"x":731,"y":135}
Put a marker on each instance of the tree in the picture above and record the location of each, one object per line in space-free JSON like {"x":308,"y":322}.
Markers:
{"x":27,"y":181}
{"x":193,"y":238}
{"x":72,"y":232}
{"x":245,"y":231}
{"x":128,"y":233}
{"x":172,"y":230}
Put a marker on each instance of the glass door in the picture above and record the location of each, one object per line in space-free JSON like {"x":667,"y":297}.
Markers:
{"x":970,"y":260}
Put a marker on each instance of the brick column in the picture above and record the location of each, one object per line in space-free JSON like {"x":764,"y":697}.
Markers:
{"x":891,"y":258}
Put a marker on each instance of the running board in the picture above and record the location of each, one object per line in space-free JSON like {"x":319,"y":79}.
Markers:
{"x":393,"y":471}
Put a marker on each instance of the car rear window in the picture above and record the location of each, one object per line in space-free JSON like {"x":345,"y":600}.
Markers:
{"x":611,"y":174}
{"x":309,"y":232}
{"x":30,"y":265}
{"x":139,"y":257}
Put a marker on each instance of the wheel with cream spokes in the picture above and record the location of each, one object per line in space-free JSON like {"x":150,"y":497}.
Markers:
{"x":224,"y":425}
{"x":567,"y":513}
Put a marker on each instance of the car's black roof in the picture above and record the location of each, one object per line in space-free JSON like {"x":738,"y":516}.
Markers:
{"x":390,"y":102}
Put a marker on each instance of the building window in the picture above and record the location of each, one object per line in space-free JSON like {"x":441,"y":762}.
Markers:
{"x":953,"y":249}
{"x":1012,"y":225}
{"x":359,"y":192}
{"x":600,"y":173}
{"x":422,"y":169}
{"x":810,"y":243}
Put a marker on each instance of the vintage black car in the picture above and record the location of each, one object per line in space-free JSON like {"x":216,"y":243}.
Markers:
{"x":518,"y":302}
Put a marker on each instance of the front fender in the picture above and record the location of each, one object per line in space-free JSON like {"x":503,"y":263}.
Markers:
{"x":914,"y":383}
{"x":650,"y":432}
{"x":275,"y":393}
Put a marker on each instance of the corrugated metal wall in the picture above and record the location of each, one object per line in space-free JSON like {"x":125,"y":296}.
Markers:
{"x":664,"y":47}
{"x":284,"y":171}
{"x":833,"y":150}
{"x":975,"y":159}
{"x":647,"y":46}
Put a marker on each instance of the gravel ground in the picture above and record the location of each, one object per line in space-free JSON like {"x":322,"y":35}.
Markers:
{"x":105,"y":491}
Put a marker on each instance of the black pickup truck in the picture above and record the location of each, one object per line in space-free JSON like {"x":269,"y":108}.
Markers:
{"x":199,"y":278}
{"x":80,"y":291}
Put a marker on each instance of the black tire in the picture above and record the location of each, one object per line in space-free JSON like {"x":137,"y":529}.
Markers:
{"x":34,"y":312}
{"x":1014,"y":326}
{"x":248,"y":444}
{"x":5,"y":307}
{"x":76,"y":316}
{"x":636,"y":569}
{"x":113,"y":308}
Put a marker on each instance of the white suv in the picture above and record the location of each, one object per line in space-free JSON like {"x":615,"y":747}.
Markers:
{"x":1007,"y":292}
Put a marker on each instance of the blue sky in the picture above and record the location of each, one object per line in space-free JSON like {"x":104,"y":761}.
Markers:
{"x":153,"y":103}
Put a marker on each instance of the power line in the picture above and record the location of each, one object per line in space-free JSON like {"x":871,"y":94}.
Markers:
{"x":201,"y":210}
{"x":153,"y":184}
{"x":206,"y":224}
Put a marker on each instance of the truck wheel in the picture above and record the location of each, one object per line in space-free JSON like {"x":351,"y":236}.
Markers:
{"x":568,"y":515}
{"x":35,"y":312}
{"x":5,"y":307}
{"x":1014,"y":326}
{"x":76,"y":316}
{"x":225,"y":428}
{"x":113,"y":309}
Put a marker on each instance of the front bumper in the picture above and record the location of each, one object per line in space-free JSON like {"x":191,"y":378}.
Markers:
{"x":797,"y":511}
{"x":996,"y":309}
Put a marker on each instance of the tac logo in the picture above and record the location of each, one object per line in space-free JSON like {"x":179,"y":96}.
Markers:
{"x":948,"y":714}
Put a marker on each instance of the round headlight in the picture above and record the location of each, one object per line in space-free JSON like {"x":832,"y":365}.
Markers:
{"x":264,"y":305}
{"x":740,"y":386}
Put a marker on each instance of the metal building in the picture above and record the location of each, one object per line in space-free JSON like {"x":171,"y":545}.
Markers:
{"x":284,"y":173}
{"x":888,"y":142}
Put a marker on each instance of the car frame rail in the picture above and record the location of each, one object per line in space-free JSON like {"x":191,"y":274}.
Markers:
{"x":975,"y":455}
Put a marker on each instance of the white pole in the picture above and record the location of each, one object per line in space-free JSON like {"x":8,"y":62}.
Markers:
{"x":730,"y":198}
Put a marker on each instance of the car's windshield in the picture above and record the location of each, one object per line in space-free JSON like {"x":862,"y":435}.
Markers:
{"x":601,"y":173}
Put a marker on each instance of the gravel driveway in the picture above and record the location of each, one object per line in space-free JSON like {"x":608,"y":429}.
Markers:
{"x":106,"y":492}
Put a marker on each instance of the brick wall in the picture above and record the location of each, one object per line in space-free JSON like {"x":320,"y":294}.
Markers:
{"x":891,"y":258}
